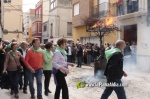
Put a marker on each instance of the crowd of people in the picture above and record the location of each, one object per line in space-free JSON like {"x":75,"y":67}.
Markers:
{"x":33,"y":60}
{"x":25,"y":61}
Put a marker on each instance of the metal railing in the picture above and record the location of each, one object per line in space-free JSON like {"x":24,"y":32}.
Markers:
{"x":112,"y":9}
{"x":103,"y":10}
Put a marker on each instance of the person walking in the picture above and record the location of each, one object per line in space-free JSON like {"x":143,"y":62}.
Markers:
{"x":79,"y":55}
{"x":11,"y":65}
{"x":60,"y":69}
{"x":23,"y":50}
{"x":2,"y":56}
{"x":47,"y":69}
{"x":34,"y":62}
{"x":114,"y":71}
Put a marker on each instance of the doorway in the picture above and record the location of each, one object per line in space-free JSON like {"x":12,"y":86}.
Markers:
{"x":130,"y":33}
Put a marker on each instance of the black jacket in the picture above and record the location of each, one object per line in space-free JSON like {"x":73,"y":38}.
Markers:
{"x":80,"y":52}
{"x":114,"y":68}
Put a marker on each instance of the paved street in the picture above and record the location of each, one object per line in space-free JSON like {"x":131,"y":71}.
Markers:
{"x":138,"y":86}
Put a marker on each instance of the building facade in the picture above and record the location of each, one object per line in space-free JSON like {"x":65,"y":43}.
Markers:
{"x":37,"y":21}
{"x":60,"y":20}
{"x":133,"y":21}
{"x":11,"y":19}
{"x":26,"y":26}
{"x":45,"y":32}
{"x":1,"y":33}
{"x":94,"y":10}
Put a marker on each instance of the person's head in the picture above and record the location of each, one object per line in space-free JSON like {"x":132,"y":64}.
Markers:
{"x":14,"y":46}
{"x":120,"y":44}
{"x":36,"y":43}
{"x":133,"y":43}
{"x":24,"y":45}
{"x":42,"y":46}
{"x":62,"y":43}
{"x":14,"y":40}
{"x":49,"y":46}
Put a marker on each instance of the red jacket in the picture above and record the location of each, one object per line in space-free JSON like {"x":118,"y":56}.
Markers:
{"x":34,"y":59}
{"x":119,"y":2}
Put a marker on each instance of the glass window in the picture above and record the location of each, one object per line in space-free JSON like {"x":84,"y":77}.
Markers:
{"x":76,"y":9}
{"x":69,"y":28}
{"x":51,"y":29}
{"x":45,"y":28}
{"x":40,"y":27}
{"x":52,"y":5}
{"x":7,"y":1}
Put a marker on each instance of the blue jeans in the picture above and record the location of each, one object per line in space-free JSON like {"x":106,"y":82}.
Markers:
{"x":25,"y":79}
{"x":14,"y":80}
{"x":120,"y":9}
{"x":69,"y":58}
{"x":79,"y":59}
{"x":118,"y":90}
{"x":38,"y":75}
{"x":134,"y":6}
{"x":89,"y":59}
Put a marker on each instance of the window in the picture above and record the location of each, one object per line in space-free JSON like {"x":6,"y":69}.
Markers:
{"x":45,"y":41}
{"x":7,"y":1}
{"x":51,"y":29}
{"x":37,"y":12}
{"x":76,"y":9}
{"x":45,"y":28}
{"x":52,"y":5}
{"x":69,"y":28}
{"x":40,"y":14}
{"x":40,"y":27}
{"x":51,"y":0}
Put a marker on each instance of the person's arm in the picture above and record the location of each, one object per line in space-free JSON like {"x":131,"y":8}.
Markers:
{"x":56,"y":65}
{"x":46,"y":60}
{"x":20,"y":55}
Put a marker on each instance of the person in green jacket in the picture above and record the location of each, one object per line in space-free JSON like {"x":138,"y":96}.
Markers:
{"x":47,"y":68}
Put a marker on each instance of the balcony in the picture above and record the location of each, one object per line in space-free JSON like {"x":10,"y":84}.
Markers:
{"x":37,"y":19}
{"x":103,"y":10}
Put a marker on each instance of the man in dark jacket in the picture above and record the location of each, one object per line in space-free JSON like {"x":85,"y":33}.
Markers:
{"x":114,"y":71}
{"x":2,"y":56}
{"x":23,"y":50}
{"x":79,"y":55}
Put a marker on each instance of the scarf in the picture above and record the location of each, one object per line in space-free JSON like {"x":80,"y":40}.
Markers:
{"x":21,"y":48}
{"x":13,"y":53}
{"x":61,"y":50}
{"x":110,"y":52}
{"x":37,"y":51}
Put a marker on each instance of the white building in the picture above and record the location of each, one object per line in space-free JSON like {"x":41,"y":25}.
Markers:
{"x":45,"y":32}
{"x":26,"y":25}
{"x":60,"y":20}
{"x":134,"y":27}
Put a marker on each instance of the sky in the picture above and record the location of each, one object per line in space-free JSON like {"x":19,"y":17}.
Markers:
{"x":28,"y":4}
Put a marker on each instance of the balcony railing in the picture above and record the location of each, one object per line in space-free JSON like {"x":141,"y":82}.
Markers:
{"x":105,"y":9}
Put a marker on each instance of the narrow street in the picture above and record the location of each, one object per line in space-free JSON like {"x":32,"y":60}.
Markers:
{"x":138,"y":86}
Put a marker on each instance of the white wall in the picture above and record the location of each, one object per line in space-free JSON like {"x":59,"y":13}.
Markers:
{"x":143,"y":41}
{"x":59,"y":18}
